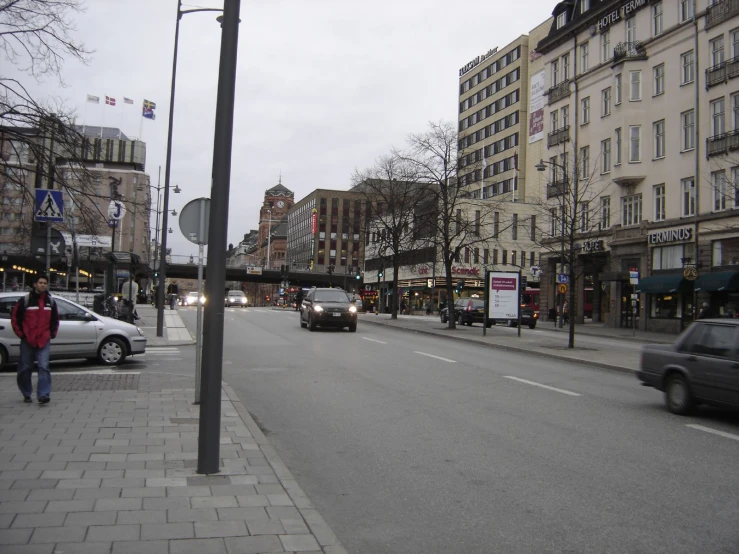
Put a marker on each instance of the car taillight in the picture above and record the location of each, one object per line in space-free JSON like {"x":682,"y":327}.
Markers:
{"x":469,"y":307}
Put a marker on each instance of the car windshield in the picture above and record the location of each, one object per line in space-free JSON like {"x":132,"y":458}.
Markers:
{"x":331,"y":296}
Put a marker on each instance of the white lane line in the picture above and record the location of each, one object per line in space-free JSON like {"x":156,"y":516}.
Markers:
{"x":437,"y":357}
{"x":713,"y":431}
{"x":374,"y":340}
{"x":534,"y":383}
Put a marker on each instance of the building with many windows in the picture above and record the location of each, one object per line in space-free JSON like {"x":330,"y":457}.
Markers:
{"x":642,"y":98}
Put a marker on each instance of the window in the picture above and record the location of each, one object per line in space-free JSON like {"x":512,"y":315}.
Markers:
{"x":735,"y":110}
{"x":735,"y":185}
{"x":634,"y":86}
{"x":671,"y":257}
{"x":514,"y":227}
{"x":584,"y":216}
{"x":718,"y":126}
{"x":532,"y":258}
{"x":553,"y":222}
{"x":686,"y":60}
{"x":734,"y":43}
{"x":585,"y":103}
{"x":554,"y":120}
{"x":467,"y":255}
{"x":686,"y":10}
{"x":720,"y":191}
{"x":618,"y":146}
{"x":505,"y":257}
{"x":496,"y":224}
{"x":687,"y":186}
{"x":584,"y":57}
{"x":688,"y":123}
{"x":717,"y":50}
{"x":485,"y":256}
{"x":584,"y":5}
{"x":659,"y":202}
{"x":555,"y":72}
{"x":605,"y":102}
{"x":533,"y":228}
{"x":714,"y":340}
{"x":605,"y":46}
{"x":657,"y":19}
{"x":618,"y":89}
{"x":565,"y":116}
{"x":631,"y":32}
{"x":477,"y":223}
{"x":634,"y":144}
{"x":658,"y":129}
{"x":476,"y":256}
{"x":605,"y":153}
{"x":513,"y":257}
{"x":495,"y":256}
{"x":584,"y":162}
{"x":659,"y":79}
{"x":605,"y":212}
{"x":631,"y":210}
{"x":561,"y":20}
{"x":565,"y":67}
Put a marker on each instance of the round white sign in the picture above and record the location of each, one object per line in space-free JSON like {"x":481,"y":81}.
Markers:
{"x":116,"y":210}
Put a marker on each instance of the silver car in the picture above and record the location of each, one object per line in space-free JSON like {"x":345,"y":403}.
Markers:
{"x":82,"y":334}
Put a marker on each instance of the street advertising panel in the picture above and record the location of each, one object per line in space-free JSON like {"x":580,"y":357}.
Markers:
{"x":504,"y":295}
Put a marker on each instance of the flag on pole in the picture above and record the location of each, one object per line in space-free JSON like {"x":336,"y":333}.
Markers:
{"x":93,"y":99}
{"x":148,"y":110}
{"x":110,"y":101}
{"x":127,"y":100}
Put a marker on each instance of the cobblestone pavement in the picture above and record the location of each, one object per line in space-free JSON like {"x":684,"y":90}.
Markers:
{"x":109,"y":466}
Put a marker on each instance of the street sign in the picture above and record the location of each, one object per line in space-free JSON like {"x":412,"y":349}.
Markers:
{"x":190,"y":220}
{"x":634,"y":296}
{"x":562,"y":289}
{"x":49,"y":205}
{"x":253,"y":270}
{"x":633,"y":276}
{"x":112,"y":223}
{"x":57,"y":246}
{"x":690,"y":273}
{"x":563,"y":279}
{"x":116,"y":210}
{"x":430,"y":283}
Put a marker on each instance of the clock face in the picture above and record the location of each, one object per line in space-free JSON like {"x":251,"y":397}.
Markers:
{"x":280,"y":204}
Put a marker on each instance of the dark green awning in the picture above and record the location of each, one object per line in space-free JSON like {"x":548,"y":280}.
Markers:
{"x":663,"y":284}
{"x":718,"y":281}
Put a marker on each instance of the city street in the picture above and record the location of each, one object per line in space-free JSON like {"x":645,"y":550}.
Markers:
{"x":407,"y":443}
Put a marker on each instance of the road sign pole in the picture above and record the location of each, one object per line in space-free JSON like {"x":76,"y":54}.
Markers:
{"x":487,"y":306}
{"x":520,"y":290}
{"x":48,"y":248}
{"x":199,"y":331}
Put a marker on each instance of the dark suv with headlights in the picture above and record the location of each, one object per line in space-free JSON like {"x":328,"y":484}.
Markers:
{"x":328,"y":308}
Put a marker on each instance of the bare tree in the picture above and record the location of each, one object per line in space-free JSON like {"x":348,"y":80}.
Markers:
{"x":455,"y":219}
{"x":390,"y":190}
{"x":572,"y":213}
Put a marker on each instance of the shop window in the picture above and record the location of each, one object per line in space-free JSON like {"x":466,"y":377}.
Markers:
{"x":671,"y":257}
{"x":665,"y":306}
{"x":725,"y":252}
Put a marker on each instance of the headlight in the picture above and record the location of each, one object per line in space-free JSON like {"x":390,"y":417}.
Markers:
{"x":243,"y":300}
{"x":202,"y":299}
{"x":352,"y":309}
{"x":317,"y":309}
{"x":140,"y":330}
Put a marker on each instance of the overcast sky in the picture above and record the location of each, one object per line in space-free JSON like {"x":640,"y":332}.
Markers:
{"x":323,"y":86}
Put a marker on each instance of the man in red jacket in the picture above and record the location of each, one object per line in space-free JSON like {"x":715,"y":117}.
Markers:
{"x":36,"y":321}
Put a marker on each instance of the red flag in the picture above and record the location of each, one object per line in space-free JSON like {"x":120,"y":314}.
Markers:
{"x":110,"y":101}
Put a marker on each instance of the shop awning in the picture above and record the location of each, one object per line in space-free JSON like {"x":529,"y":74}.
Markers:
{"x":662,"y":284}
{"x":718,"y":281}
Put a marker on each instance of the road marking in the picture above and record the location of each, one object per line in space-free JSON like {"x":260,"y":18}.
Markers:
{"x":713,"y":431}
{"x":374,"y":340}
{"x":437,"y":357}
{"x":534,"y":383}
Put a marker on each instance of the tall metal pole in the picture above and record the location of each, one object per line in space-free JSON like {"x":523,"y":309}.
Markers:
{"x":131,"y":300}
{"x":269,"y":236}
{"x":199,"y":338}
{"x":167,"y":171}
{"x":210,"y":409}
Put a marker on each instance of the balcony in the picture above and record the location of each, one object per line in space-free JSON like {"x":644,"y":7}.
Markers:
{"x":722,"y":72}
{"x":721,"y":11}
{"x":560,"y":136}
{"x":557,"y":188}
{"x":626,"y":51}
{"x":722,"y":144}
{"x":557,"y":92}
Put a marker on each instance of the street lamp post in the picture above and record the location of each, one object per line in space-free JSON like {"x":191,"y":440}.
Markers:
{"x":269,"y":236}
{"x":167,"y":170}
{"x":541,"y":166}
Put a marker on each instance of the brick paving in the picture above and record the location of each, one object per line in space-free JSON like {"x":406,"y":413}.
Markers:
{"x":109,"y":466}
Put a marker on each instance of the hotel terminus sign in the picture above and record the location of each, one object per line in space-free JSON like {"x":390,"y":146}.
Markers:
{"x":624,"y":11}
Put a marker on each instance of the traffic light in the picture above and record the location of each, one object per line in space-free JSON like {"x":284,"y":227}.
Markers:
{"x":359,"y":275}
{"x":283,"y":270}
{"x":379,"y":273}
{"x":460,"y":286}
{"x":311,"y":264}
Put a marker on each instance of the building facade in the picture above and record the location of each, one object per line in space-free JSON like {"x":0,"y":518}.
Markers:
{"x":641,"y":99}
{"x":271,"y":240}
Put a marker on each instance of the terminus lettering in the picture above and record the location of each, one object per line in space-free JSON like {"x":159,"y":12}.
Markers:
{"x":624,"y":11}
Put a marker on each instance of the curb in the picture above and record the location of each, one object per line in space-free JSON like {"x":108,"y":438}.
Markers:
{"x":321,"y":531}
{"x":507,"y":348}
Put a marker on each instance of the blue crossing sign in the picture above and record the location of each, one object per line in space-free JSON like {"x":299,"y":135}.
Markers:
{"x":563,"y":279}
{"x":49,"y":205}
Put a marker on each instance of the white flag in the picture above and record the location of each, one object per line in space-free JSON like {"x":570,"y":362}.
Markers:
{"x":93,"y":99}
{"x":484,"y":161}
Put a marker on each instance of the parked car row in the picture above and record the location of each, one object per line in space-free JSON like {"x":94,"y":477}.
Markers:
{"x":472,"y":310}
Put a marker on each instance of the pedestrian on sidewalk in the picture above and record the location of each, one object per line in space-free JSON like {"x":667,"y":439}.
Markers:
{"x":35,"y":320}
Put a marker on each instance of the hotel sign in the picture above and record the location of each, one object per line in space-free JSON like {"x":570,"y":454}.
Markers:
{"x":479,"y":59}
{"x":622,"y":12}
{"x":681,"y":234}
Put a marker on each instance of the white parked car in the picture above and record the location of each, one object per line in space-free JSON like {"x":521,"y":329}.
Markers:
{"x":82,"y":334}
{"x":192,"y":299}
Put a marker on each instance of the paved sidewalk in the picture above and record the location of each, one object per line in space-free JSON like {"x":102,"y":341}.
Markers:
{"x":175,"y":330}
{"x":603,"y":349}
{"x":109,"y":466}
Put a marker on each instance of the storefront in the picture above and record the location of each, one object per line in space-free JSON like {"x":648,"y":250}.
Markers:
{"x":720,"y":289}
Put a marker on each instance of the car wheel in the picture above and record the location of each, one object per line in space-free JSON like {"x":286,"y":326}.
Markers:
{"x":678,"y":397}
{"x":443,"y":318}
{"x":353,"y":328}
{"x":112,"y":351}
{"x":311,"y":323}
{"x":489,"y":323}
{"x":460,"y":320}
{"x":469,"y":323}
{"x":303,"y":324}
{"x":532,"y":325}
{"x":3,"y":357}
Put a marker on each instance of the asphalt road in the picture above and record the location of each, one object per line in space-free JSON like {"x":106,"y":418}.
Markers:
{"x":409,"y":444}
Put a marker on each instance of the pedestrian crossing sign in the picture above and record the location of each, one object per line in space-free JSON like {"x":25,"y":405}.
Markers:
{"x":49,"y":205}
